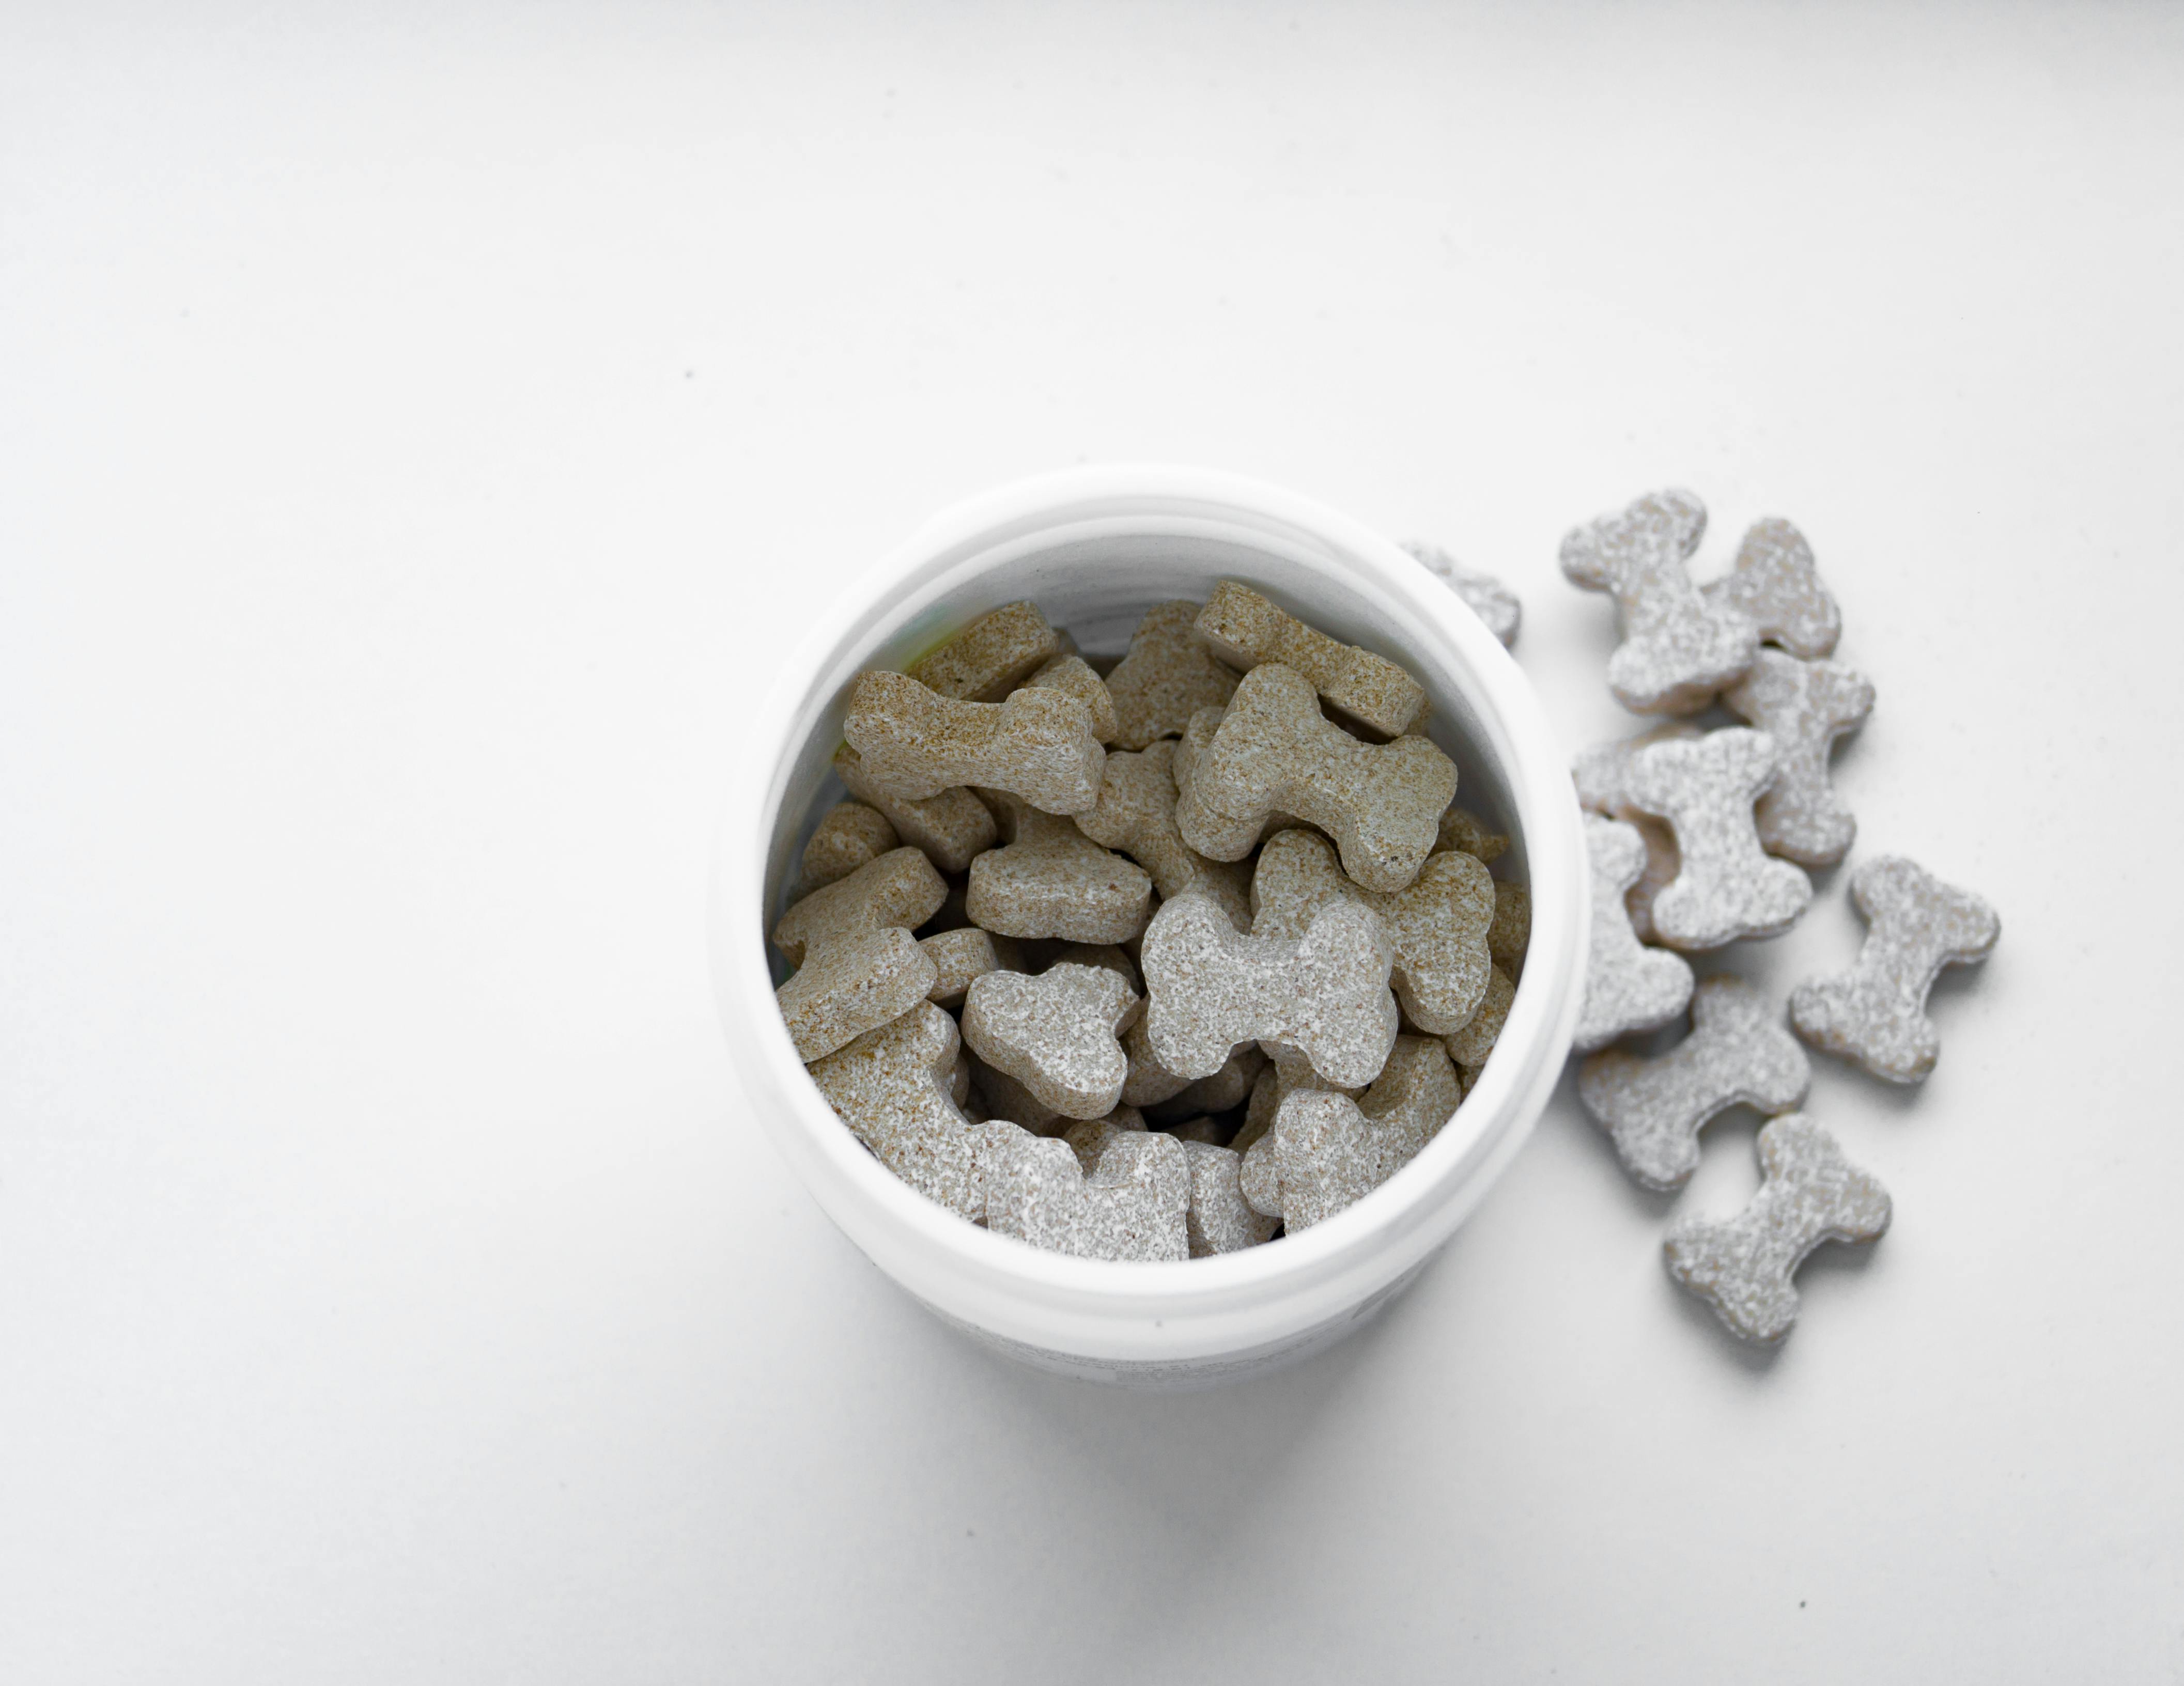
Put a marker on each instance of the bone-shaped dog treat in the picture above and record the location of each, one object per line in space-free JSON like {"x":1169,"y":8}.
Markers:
{"x":1415,"y":1095}
{"x":1168,"y":676}
{"x":1627,"y":987}
{"x":857,"y":965}
{"x":1511,"y":933}
{"x":1727,"y":886}
{"x":1245,"y":630}
{"x":1678,"y":648}
{"x":848,"y":836}
{"x":1470,"y":1046}
{"x":1273,"y":750}
{"x":1811,"y":1194}
{"x":1220,"y":1220}
{"x":1136,"y":814}
{"x":890,"y":1086}
{"x":1737,"y":1055}
{"x":1051,"y":880}
{"x":1226,"y":1089}
{"x":1460,"y":828}
{"x":990,"y":657}
{"x":1294,"y":1071}
{"x":1775,"y":585}
{"x":999,"y":1095}
{"x":1804,"y":706}
{"x":1320,"y":1156}
{"x":916,"y":744}
{"x":1054,"y":1033}
{"x":1599,"y":773}
{"x":958,"y":956}
{"x":1089,"y":1138}
{"x":1438,"y":926}
{"x":952,"y":828}
{"x":1072,"y":675}
{"x":1209,"y":988}
{"x":1148,"y":1082}
{"x":1134,"y":1206}
{"x":1487,"y":597}
{"x":1217,"y":837}
{"x":1874,"y":1014}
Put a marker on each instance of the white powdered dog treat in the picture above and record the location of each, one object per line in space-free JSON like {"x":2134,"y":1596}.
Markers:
{"x":990,"y":657}
{"x":1245,"y":630}
{"x":1051,"y":880}
{"x":1226,"y":1089}
{"x":1168,"y":676}
{"x":1804,"y":706}
{"x":958,"y":956}
{"x":1461,"y":829}
{"x":1627,"y":987}
{"x":1812,"y":1194}
{"x":1072,"y":675}
{"x":915,"y":743}
{"x":1220,"y":1220}
{"x":1599,"y":773}
{"x":1134,"y":1206}
{"x":1775,"y":585}
{"x":1136,"y":814}
{"x":857,"y":965}
{"x":1210,"y":987}
{"x":952,"y":828}
{"x":1438,"y":926}
{"x":1490,"y":600}
{"x":1088,"y":1138}
{"x":1874,"y":1014}
{"x":849,"y":835}
{"x":1727,"y":886}
{"x":1737,"y":1055}
{"x":1663,"y":864}
{"x":1273,"y":750}
{"x":891,"y":1086}
{"x":999,"y":1095}
{"x":1054,"y":1033}
{"x":1678,"y":648}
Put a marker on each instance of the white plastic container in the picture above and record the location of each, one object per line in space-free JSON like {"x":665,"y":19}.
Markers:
{"x":1093,"y":547}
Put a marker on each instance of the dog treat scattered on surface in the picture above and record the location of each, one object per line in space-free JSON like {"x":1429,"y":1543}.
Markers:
{"x":915,"y":743}
{"x":1220,"y":1220}
{"x":1437,"y":927}
{"x":891,"y":1087}
{"x":1811,"y":1193}
{"x":1628,"y":987}
{"x":958,"y":956}
{"x":1726,"y":886}
{"x":848,"y":836}
{"x":1134,"y":1207}
{"x":1774,"y":584}
{"x":1490,"y":600}
{"x":1051,"y":880}
{"x":1168,"y":676}
{"x":1678,"y":649}
{"x":952,"y":828}
{"x":1470,"y":1046}
{"x":1804,"y":706}
{"x":1226,"y":1089}
{"x":1273,"y":750}
{"x":1737,"y":1055}
{"x":1211,"y":988}
{"x":857,"y":965}
{"x":1088,"y":1138}
{"x":1602,"y":772}
{"x":1875,"y":1014}
{"x":990,"y":657}
{"x":1054,"y":1033}
{"x":1072,"y":675}
{"x":1135,"y":814}
{"x":1246,"y":631}
{"x":1461,"y":829}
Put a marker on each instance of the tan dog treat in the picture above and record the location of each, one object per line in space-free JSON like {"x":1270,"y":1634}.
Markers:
{"x":1627,"y":986}
{"x":999,"y":1095}
{"x":848,"y":836}
{"x":1246,"y":631}
{"x":1327,"y":1151}
{"x":1220,"y":1220}
{"x":1438,"y":927}
{"x":1107,"y":955}
{"x":1227,"y":1088}
{"x":1147,"y":1083}
{"x":1072,"y":676}
{"x":1134,"y":1206}
{"x":959,"y":1080}
{"x":1088,"y":1138}
{"x":952,"y":828}
{"x":1294,"y":1071}
{"x":1136,"y":814}
{"x":1726,"y":886}
{"x":1774,"y":584}
{"x":1469,"y":1046}
{"x":958,"y":956}
{"x":1051,"y":880}
{"x":1511,"y":933}
{"x":916,"y":744}
{"x":1209,"y":988}
{"x":1462,"y":829}
{"x":891,"y":1087}
{"x":1874,"y":1014}
{"x":1218,"y":837}
{"x":1485,"y":595}
{"x":1678,"y":648}
{"x":1275,"y":751}
{"x":1054,"y":1033}
{"x":1737,"y":1055}
{"x":1743,"y":1267}
{"x":1804,"y":706}
{"x":1167,"y":677}
{"x":990,"y":657}
{"x":857,"y":965}
{"x":1259,"y":1115}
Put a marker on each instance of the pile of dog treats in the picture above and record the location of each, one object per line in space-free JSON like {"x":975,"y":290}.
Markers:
{"x":1153,"y":959}
{"x":1700,"y":839}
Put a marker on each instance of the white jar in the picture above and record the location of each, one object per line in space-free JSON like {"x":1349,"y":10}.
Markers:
{"x":1093,"y":547}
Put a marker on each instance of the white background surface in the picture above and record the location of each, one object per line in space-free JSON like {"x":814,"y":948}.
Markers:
{"x":418,"y":437}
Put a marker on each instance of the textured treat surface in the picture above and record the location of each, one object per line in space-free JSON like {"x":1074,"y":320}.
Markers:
{"x":1245,"y":630}
{"x":1628,"y":987}
{"x":1726,"y":887}
{"x":1168,"y":676}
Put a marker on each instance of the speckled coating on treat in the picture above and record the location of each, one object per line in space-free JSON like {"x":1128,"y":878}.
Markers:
{"x":1462,"y":829}
{"x":857,"y":965}
{"x":1737,"y":1055}
{"x":990,"y":657}
{"x":1259,"y":1115}
{"x":1470,"y":1046}
{"x":1147,"y":1083}
{"x":1663,"y":864}
{"x":1599,"y":773}
{"x":1487,"y":597}
{"x":1051,"y":880}
{"x":1220,"y":1220}
{"x":1726,"y":887}
{"x":1875,"y":1014}
{"x":1416,"y":1094}
{"x":1107,"y":955}
{"x":1437,"y":927}
{"x":1275,"y":751}
{"x":1089,"y":1138}
{"x":1228,"y":839}
{"x":1774,"y":584}
{"x":1294,"y":1071}
{"x":1136,"y":814}
{"x":1072,"y":675}
{"x":848,"y":836}
{"x":1247,"y":632}
{"x":1168,"y":676}
{"x":999,"y":1095}
{"x":1743,"y":1267}
{"x":952,"y":828}
{"x":958,"y":956}
{"x":1804,"y":706}
{"x":1511,"y":933}
{"x":891,"y":1087}
{"x":1210,"y":987}
{"x":1226,"y":1089}
{"x":916,"y":744}
{"x":1627,"y":986}
{"x":1134,"y":1207}
{"x":1325,"y":1154}
{"x":1054,"y":1033}
{"x":1677,"y":650}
